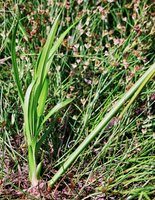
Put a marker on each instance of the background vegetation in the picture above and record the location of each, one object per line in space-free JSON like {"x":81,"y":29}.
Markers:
{"x":99,"y":60}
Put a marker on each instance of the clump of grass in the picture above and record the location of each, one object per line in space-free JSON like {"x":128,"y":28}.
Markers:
{"x":133,"y":92}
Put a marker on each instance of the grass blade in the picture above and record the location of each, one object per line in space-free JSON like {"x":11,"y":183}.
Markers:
{"x":15,"y":66}
{"x":23,"y":31}
{"x":56,"y":109}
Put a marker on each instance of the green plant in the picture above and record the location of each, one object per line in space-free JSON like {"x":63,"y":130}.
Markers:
{"x":132,"y":93}
{"x":34,"y":101}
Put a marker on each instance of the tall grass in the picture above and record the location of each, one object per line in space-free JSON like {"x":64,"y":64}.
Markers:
{"x":114,"y":58}
{"x":132,"y":93}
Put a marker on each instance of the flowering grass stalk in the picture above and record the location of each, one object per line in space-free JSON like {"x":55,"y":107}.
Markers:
{"x":34,"y":101}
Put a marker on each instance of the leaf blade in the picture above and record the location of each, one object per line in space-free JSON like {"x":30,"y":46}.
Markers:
{"x":26,"y":107}
{"x":15,"y":66}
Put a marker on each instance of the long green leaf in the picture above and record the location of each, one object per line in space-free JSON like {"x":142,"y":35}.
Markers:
{"x":33,"y":118}
{"x":26,"y":108}
{"x":136,"y":93}
{"x":57,"y":44}
{"x":101,"y":125}
{"x":15,"y":66}
{"x":40,"y":72}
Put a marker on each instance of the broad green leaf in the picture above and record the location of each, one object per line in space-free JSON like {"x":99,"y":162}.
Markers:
{"x":31,"y":161}
{"x":32,"y":166}
{"x":26,"y":112}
